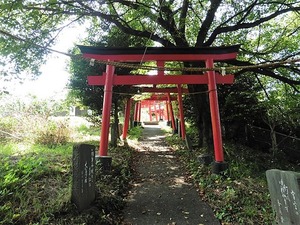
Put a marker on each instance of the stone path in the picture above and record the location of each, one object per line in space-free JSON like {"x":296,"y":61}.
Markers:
{"x":160,"y":193}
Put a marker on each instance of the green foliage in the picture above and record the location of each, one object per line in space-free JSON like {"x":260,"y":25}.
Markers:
{"x":29,"y":181}
{"x":35,"y":187}
{"x":135,"y":133}
{"x":110,"y":188}
{"x":7,"y":128}
{"x":91,"y":130}
{"x":80,"y":69}
{"x":266,"y":30}
{"x":240,"y":195}
{"x":32,"y":121}
{"x":53,"y":134}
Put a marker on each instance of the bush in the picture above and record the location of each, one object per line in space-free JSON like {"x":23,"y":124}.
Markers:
{"x":53,"y":134}
{"x":7,"y":128}
{"x":135,"y":133}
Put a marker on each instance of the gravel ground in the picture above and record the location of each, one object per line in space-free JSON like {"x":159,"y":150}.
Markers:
{"x":161,"y":193}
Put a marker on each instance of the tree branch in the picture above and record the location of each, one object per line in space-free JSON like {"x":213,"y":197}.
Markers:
{"x":207,"y":22}
{"x":170,"y":25}
{"x":266,"y":72}
{"x":183,"y":14}
{"x":220,"y":30}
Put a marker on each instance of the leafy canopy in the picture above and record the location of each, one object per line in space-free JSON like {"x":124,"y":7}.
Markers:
{"x":29,"y":28}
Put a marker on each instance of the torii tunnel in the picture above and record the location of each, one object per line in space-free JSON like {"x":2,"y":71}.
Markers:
{"x":161,"y":55}
{"x":158,"y":107}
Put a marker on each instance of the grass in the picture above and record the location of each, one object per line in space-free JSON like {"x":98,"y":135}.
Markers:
{"x":90,"y":130}
{"x":35,"y":185}
{"x":240,"y":195}
{"x":135,"y":133}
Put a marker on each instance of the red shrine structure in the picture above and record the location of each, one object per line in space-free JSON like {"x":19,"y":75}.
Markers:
{"x":161,"y":55}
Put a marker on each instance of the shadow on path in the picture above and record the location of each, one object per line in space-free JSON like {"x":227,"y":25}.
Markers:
{"x":160,"y":193}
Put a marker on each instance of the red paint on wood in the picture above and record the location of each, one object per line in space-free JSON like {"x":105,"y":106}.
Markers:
{"x":126,"y":119}
{"x":162,"y":57}
{"x":180,"y":104}
{"x":168,"y":111}
{"x":162,"y":90}
{"x":167,"y":79}
{"x":150,"y":113}
{"x":106,"y":110}
{"x":214,"y":112}
{"x":171,"y":112}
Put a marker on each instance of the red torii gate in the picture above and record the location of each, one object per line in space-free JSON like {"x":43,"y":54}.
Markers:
{"x":161,"y":55}
{"x":168,"y":98}
{"x":159,"y":98}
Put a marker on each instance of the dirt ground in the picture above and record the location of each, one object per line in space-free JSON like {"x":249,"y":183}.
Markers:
{"x":161,"y":193}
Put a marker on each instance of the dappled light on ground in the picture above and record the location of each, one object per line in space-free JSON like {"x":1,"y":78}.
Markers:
{"x":161,"y":193}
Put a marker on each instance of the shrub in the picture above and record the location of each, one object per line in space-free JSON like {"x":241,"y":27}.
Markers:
{"x":7,"y":127}
{"x":53,"y":134}
{"x":135,"y":133}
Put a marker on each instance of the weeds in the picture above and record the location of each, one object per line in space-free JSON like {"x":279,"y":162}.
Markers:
{"x":35,"y":187}
{"x":32,"y":185}
{"x":7,"y":128}
{"x":135,"y":133}
{"x":240,"y":196}
{"x":53,"y":134}
{"x":90,"y":130}
{"x":110,"y":188}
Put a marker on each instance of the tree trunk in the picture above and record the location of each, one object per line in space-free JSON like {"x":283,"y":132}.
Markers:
{"x":273,"y":139}
{"x":202,"y":112}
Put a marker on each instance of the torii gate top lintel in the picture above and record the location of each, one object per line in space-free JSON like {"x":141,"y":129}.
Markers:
{"x":160,"y":53}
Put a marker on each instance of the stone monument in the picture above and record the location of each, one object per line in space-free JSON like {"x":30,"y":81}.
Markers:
{"x":285,"y":196}
{"x":83,"y":183}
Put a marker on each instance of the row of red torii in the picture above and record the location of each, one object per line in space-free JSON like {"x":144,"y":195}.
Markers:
{"x":161,"y":55}
{"x":155,"y":108}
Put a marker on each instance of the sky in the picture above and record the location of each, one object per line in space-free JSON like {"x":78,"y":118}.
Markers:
{"x":54,"y":78}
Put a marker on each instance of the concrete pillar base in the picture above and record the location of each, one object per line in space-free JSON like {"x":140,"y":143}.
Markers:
{"x":219,"y":167}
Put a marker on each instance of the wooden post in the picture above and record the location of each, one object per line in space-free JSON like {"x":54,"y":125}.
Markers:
{"x":215,"y":116}
{"x":126,"y":119}
{"x":139,"y":112}
{"x":171,"y":113}
{"x":135,"y":115}
{"x":107,"y":99}
{"x":182,"y":123}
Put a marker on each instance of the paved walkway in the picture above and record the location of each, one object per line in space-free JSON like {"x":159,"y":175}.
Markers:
{"x":160,"y":193}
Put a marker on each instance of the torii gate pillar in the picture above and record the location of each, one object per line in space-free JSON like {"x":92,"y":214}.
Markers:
{"x":126,"y":119}
{"x":219,"y":164}
{"x":171,"y":113}
{"x":107,"y":101}
{"x":181,"y":115}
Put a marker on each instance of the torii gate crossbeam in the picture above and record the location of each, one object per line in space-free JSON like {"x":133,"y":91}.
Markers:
{"x":207,"y":55}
